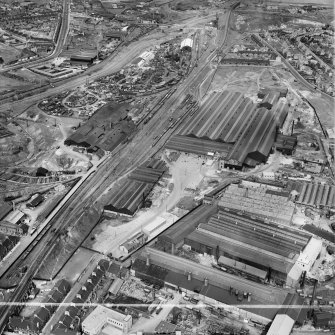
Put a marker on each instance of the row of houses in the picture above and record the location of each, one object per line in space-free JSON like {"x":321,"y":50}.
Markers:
{"x":35,"y":323}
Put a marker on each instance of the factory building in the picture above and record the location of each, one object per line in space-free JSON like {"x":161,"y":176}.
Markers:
{"x":279,"y":251}
{"x":8,"y":228}
{"x":102,"y":316}
{"x":83,"y":59}
{"x":317,"y":195}
{"x":133,"y":192}
{"x":209,"y":284}
{"x":229,"y":124}
{"x":263,"y":201}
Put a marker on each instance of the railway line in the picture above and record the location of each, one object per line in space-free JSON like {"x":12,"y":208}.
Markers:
{"x":113,"y":167}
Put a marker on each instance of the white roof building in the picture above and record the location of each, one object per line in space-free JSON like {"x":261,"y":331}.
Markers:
{"x":102,"y":317}
{"x":187,"y":42}
{"x":281,"y":325}
{"x":154,"y":225}
{"x":147,"y":55}
{"x":305,"y":260}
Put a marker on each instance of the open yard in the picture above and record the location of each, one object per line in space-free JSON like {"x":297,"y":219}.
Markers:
{"x":76,"y":264}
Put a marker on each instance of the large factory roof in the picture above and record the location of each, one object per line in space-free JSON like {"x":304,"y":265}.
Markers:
{"x":104,"y":129}
{"x":257,"y":138}
{"x":197,"y":146}
{"x":317,"y":195}
{"x":263,"y":203}
{"x":242,"y":250}
{"x":129,"y":196}
{"x":267,"y":236}
{"x":229,"y":117}
{"x":187,"y":224}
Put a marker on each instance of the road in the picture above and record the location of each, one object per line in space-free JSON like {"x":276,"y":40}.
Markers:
{"x":131,"y":155}
{"x":59,"y":44}
{"x":139,"y":150}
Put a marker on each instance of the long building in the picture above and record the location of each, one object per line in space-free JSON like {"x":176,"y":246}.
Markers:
{"x":261,"y":200}
{"x":244,"y":238}
{"x":132,"y":194}
{"x":317,"y":195}
{"x":229,"y":124}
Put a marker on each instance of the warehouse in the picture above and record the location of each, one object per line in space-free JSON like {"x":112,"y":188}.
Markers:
{"x":270,"y":100}
{"x":105,"y":130}
{"x":262,"y":245}
{"x":83,"y":59}
{"x":198,"y":146}
{"x":132,"y":194}
{"x":229,"y":118}
{"x":317,"y":195}
{"x":285,"y":143}
{"x":259,"y":200}
{"x":211,"y":285}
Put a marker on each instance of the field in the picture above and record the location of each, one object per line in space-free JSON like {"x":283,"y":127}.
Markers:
{"x":29,"y":76}
{"x":9,"y":84}
{"x":8,"y":53}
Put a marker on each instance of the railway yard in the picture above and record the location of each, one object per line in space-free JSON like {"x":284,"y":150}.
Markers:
{"x":169,"y":167}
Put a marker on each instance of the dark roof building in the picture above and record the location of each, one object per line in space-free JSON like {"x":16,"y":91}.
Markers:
{"x":285,"y":143}
{"x":105,"y":130}
{"x":133,"y":192}
{"x":233,"y":126}
{"x":36,"y":201}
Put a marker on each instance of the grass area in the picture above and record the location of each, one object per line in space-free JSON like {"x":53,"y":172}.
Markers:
{"x":8,"y":53}
{"x":9,"y":84}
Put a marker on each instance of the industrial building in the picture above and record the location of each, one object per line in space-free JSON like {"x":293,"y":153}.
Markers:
{"x":8,"y":228}
{"x":282,"y":252}
{"x":231,"y":125}
{"x":316,"y":195}
{"x":133,"y":243}
{"x":102,"y":316}
{"x":198,"y":146}
{"x":103,"y":130}
{"x":285,"y":143}
{"x":133,"y":192}
{"x":261,"y":200}
{"x":208,"y":284}
{"x":83,"y":58}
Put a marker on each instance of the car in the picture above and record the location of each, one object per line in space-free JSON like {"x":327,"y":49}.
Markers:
{"x":186,"y":298}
